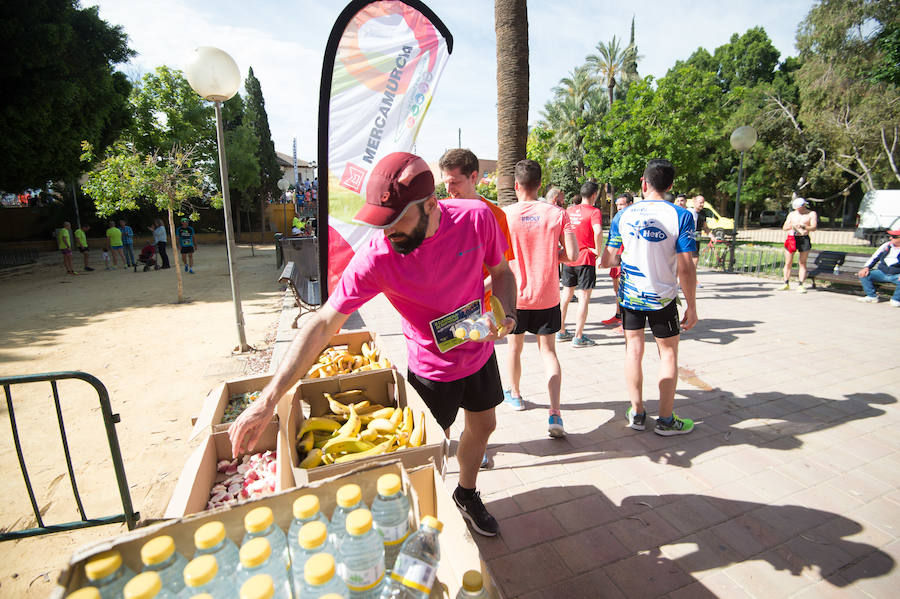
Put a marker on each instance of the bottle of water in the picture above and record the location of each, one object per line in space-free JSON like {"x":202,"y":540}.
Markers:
{"x":472,"y":586}
{"x":257,"y":558}
{"x":108,"y":574}
{"x":210,"y":539}
{"x":313,"y":539}
{"x":349,"y":498}
{"x":306,"y":509}
{"x":260,"y":522}
{"x":84,"y":593}
{"x":201,"y":576}
{"x":481,"y":327}
{"x":416,"y":566}
{"x":361,"y":556}
{"x":258,"y":587}
{"x":463,"y":328}
{"x":319,"y":578}
{"x":147,"y":585}
{"x":390,"y":516}
{"x":159,"y":555}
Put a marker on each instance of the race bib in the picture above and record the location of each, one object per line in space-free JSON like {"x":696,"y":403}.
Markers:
{"x":442,"y":327}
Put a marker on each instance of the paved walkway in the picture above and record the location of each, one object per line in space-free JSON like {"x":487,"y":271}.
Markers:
{"x":788,"y":487}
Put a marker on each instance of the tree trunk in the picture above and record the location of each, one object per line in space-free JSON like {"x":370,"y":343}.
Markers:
{"x":176,"y":251}
{"x":262,"y":219}
{"x":610,"y":88}
{"x":511,"y":27}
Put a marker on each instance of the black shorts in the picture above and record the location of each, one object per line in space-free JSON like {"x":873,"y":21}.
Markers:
{"x":83,"y":250}
{"x":539,"y":322}
{"x":663,"y":322}
{"x":803,"y":243}
{"x":187,"y":249}
{"x":477,"y":392}
{"x":582,"y":276}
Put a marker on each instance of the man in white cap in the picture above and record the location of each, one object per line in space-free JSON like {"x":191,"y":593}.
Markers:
{"x":427,"y":260}
{"x":799,"y":223}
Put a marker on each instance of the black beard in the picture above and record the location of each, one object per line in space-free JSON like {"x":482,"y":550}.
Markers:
{"x":406,"y":244}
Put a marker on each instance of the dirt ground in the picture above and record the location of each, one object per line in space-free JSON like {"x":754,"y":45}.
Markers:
{"x":158,"y":360}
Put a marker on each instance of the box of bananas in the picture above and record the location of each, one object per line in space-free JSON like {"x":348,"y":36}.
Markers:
{"x":348,"y":353}
{"x":364,"y":416}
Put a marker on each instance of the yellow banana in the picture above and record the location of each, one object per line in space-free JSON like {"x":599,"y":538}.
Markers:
{"x":336,"y":406}
{"x":369,"y":409}
{"x":384,"y":363}
{"x":327,"y":458}
{"x":375,"y":450}
{"x":408,"y":421}
{"x":351,"y":427}
{"x":499,"y":312}
{"x":305,"y":442}
{"x":340,"y":445}
{"x":312,"y":459}
{"x":368,"y":435}
{"x":382,"y":425}
{"x":397,"y":416}
{"x":350,"y":393}
{"x":383,"y":413}
{"x":361,"y":405}
{"x":318,"y":423}
{"x":417,"y":437}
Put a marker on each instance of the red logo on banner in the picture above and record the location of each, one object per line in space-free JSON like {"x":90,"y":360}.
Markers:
{"x":353,"y":177}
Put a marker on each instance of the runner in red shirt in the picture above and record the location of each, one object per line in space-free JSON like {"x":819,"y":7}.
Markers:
{"x":582,"y":273}
{"x":622,"y":202}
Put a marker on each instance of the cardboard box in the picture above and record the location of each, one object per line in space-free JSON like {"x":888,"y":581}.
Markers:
{"x":385,"y":387}
{"x":213,"y":410}
{"x":353,"y":342}
{"x":424,"y":487}
{"x":198,"y":476}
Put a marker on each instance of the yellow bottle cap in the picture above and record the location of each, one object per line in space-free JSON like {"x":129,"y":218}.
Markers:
{"x":85,"y":593}
{"x":157,"y":550}
{"x":259,"y":519}
{"x":349,"y":495}
{"x":459,"y":333}
{"x":359,"y":522}
{"x":433,"y":522}
{"x":313,"y":534}
{"x":389,"y":484}
{"x":255,"y":552}
{"x":319,"y":569}
{"x":472,"y":581}
{"x":258,"y":587}
{"x":102,"y":565}
{"x":305,"y":507}
{"x":209,"y":535}
{"x":143,"y":586}
{"x":331,"y":596}
{"x":200,"y":571}
{"x":202,"y":596}
{"x":474,"y":335}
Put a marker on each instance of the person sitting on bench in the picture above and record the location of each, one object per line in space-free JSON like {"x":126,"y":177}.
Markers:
{"x":882,"y":267}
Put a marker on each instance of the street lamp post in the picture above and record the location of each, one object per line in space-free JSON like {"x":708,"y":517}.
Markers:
{"x":214,"y":75}
{"x":283,"y":185}
{"x":742,"y":139}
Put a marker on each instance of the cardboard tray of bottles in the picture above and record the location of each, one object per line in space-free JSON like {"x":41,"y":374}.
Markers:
{"x":423,"y":486}
{"x":385,"y":387}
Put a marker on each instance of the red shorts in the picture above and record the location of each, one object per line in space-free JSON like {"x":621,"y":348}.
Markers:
{"x":614,"y":272}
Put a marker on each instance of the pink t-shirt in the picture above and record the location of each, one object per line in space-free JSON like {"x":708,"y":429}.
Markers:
{"x":436,"y":279}
{"x":535,"y":228}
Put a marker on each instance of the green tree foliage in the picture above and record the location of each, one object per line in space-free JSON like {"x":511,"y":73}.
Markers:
{"x":241,"y":148}
{"x":59,"y":88}
{"x":610,"y":62}
{"x":256,"y":118}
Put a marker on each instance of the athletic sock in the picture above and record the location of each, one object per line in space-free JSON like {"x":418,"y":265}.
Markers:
{"x":464,"y":493}
{"x":555,"y":412}
{"x":668,"y":421}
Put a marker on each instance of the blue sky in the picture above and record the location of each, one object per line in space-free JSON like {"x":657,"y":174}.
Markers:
{"x":283,"y":41}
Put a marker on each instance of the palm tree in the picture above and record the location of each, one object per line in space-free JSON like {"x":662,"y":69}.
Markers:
{"x":610,"y":62}
{"x":511,"y":27}
{"x":577,"y":104}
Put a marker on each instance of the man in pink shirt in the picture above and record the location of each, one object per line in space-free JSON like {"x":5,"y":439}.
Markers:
{"x":582,"y":273}
{"x":537,"y":230}
{"x":427,"y":261}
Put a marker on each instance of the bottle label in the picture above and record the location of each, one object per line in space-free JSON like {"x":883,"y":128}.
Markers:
{"x":443,"y":328}
{"x":394,"y":535}
{"x":362,"y":580}
{"x":414,"y":573}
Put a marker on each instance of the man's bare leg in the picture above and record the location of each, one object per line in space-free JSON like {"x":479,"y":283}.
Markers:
{"x":565,"y":296}
{"x":801,"y":266}
{"x":472,"y":444}
{"x":634,"y":374}
{"x":668,"y":374}
{"x":788,"y":263}
{"x":516,"y":342}
{"x":584,"y":298}
{"x":547,"y":347}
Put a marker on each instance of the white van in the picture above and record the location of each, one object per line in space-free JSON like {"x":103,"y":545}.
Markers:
{"x":879,"y":211}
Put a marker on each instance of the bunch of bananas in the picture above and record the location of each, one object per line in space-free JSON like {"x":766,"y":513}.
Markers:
{"x":333,"y":361}
{"x":356,"y":430}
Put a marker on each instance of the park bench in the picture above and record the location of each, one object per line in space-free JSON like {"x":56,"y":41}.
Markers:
{"x":839,"y":268}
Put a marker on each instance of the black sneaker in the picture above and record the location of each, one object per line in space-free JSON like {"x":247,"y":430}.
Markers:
{"x":635,"y":421}
{"x":474,"y":511}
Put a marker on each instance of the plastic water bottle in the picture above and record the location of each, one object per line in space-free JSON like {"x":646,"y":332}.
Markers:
{"x":349,"y":498}
{"x":390,"y":516}
{"x":210,"y":539}
{"x":313,"y":539}
{"x":159,"y":555}
{"x":361,"y":556}
{"x":108,"y":574}
{"x":319,"y":578}
{"x":481,"y":327}
{"x":257,"y":558}
{"x":201,"y":576}
{"x":260,"y":522}
{"x":416,"y":566}
{"x":306,"y":509}
{"x":472,"y":586}
{"x":147,"y":585}
{"x":84,"y":593}
{"x":258,"y":587}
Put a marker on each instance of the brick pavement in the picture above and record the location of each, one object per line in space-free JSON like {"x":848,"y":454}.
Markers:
{"x":788,"y":487}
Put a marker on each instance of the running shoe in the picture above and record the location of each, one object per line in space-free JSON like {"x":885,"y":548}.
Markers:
{"x":679,"y":426}
{"x":868,"y":299}
{"x":474,"y":511}
{"x":619,"y":330}
{"x":801,"y":289}
{"x":564,"y":335}
{"x":635,"y":420}
{"x":555,"y":427}
{"x":574,"y":299}
{"x":895,"y":303}
{"x":784,"y":287}
{"x":191,"y":270}
{"x":613,"y":320}
{"x":484,"y":461}
{"x":515,"y":403}
{"x":185,"y":268}
{"x":88,"y":268}
{"x":583,"y":342}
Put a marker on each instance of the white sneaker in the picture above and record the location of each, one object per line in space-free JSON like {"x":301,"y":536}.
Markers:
{"x":801,"y":289}
{"x":868,"y":300}
{"x":895,"y":303}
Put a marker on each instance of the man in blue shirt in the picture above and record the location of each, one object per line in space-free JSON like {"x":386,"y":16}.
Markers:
{"x":658,"y":241}
{"x":185,"y":235}
{"x":127,"y":242}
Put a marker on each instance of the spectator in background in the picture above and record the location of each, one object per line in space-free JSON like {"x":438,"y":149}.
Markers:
{"x":114,"y":236}
{"x":882,"y":267}
{"x":187,"y":244}
{"x":82,"y":245}
{"x":669,"y":197}
{"x":555,"y":197}
{"x":681,"y":200}
{"x":702,"y":228}
{"x":127,"y":242}
{"x":799,"y":224}
{"x":622,"y":202}
{"x":64,"y":242}
{"x":159,"y":238}
{"x":582,"y":273}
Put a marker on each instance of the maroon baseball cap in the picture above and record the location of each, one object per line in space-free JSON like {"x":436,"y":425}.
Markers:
{"x":398,"y":181}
